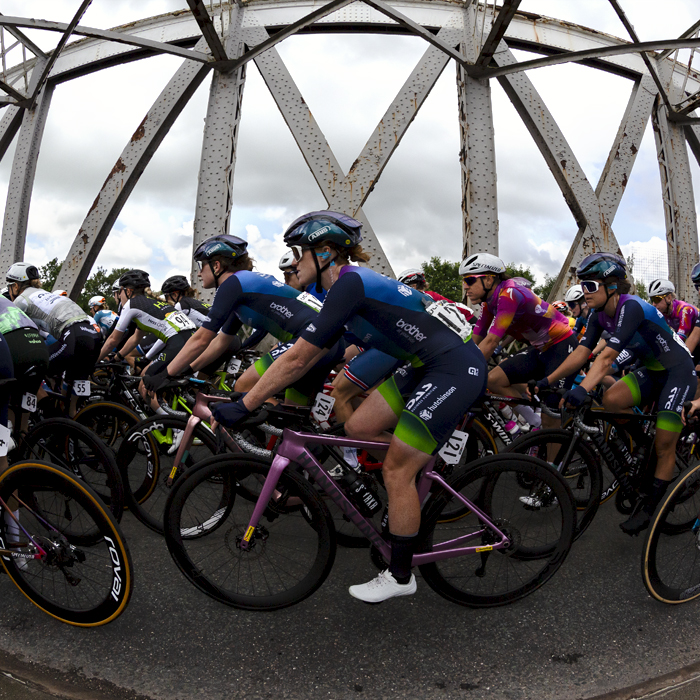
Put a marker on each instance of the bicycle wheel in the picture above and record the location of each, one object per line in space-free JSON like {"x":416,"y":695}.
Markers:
{"x":671,"y":556}
{"x":82,"y":584}
{"x":540,"y":537}
{"x":77,"y":449}
{"x":109,"y":421}
{"x":292,"y":550}
{"x":146,"y":459}
{"x":578,"y":464}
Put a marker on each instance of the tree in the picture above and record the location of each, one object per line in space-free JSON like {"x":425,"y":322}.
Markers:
{"x":49,"y":273}
{"x":443,"y":278}
{"x":545,"y":289}
{"x":520,"y":271}
{"x":639,"y":286}
{"x":100,"y":284}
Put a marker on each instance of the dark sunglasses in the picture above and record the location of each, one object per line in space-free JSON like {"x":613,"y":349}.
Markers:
{"x":469,"y":281}
{"x":572,"y":304}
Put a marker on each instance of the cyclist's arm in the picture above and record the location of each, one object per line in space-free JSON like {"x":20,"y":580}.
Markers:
{"x":132,"y":342}
{"x":571,"y":364}
{"x":489,"y":344}
{"x":216,"y":348}
{"x":691,"y":341}
{"x":285,"y":370}
{"x":194,"y":347}
{"x":111,"y":343}
{"x":599,"y":369}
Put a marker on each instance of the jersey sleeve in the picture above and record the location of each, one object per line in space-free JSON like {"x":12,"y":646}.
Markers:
{"x":506,"y":306}
{"x":342,"y":300}
{"x":688,"y":319}
{"x":481,"y":327}
{"x":233,"y":325}
{"x":593,"y":331}
{"x":125,"y":318}
{"x":225,"y":303}
{"x":629,"y":318}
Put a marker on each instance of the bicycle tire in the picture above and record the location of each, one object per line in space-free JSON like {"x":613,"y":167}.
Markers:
{"x":582,"y":469}
{"x":77,"y":449}
{"x":110,"y":421}
{"x":146,"y":465}
{"x":671,"y":555}
{"x":293,"y":550}
{"x":82,"y":585}
{"x":541,"y":538}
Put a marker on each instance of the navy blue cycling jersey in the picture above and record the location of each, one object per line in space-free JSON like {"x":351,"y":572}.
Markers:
{"x":638,"y":327}
{"x":260,"y":301}
{"x":382,"y":313}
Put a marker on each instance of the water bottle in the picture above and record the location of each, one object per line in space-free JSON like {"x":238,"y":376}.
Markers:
{"x":506,"y":411}
{"x":367,"y":503}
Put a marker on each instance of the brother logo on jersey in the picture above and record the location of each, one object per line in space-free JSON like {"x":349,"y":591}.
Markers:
{"x":283,"y":310}
{"x":663,"y":345}
{"x":411,"y":330}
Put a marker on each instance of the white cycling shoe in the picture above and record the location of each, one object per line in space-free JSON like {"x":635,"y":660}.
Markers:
{"x":177,"y":439}
{"x":381,"y":588}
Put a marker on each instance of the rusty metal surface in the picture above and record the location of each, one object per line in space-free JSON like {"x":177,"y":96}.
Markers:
{"x":125,"y":174}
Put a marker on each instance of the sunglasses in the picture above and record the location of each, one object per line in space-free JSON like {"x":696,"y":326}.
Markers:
{"x":298,"y":251}
{"x":572,"y":304}
{"x":657,"y":299}
{"x":590,"y":286}
{"x":469,"y":281}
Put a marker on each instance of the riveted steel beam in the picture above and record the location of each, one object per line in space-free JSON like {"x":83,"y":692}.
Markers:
{"x":199,"y":12}
{"x":577,"y":191}
{"x":25,"y":41}
{"x":9,"y":126}
{"x":19,"y":97}
{"x":498,"y":29}
{"x":219,"y":144}
{"x":679,"y":203}
{"x":126,"y":172}
{"x":19,"y":192}
{"x":477,"y":153}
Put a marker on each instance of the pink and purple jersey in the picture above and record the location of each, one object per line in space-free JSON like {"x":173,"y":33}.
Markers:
{"x":682,"y":317}
{"x":516,"y":310}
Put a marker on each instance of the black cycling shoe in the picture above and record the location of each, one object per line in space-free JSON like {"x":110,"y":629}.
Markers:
{"x":636,"y":523}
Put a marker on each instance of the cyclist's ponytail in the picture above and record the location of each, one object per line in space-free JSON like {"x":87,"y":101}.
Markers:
{"x":354,"y":254}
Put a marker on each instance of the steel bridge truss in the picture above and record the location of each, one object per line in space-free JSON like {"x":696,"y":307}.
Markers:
{"x":478,"y":37}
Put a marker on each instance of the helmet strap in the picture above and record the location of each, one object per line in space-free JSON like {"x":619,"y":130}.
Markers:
{"x":609,"y":292}
{"x":214,"y":275}
{"x":320,"y":270}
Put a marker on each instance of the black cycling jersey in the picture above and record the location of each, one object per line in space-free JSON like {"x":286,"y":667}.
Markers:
{"x":260,"y":301}
{"x":637,"y":326}
{"x":196,"y":310}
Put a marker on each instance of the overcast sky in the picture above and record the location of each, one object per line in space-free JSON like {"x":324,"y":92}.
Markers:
{"x":348,"y":81}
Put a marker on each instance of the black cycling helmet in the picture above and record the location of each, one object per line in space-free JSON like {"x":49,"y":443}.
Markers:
{"x":598,"y":266}
{"x":225,"y":244}
{"x":176,"y":283}
{"x":135,"y":279}
{"x":695,"y":274}
{"x":320,"y":227}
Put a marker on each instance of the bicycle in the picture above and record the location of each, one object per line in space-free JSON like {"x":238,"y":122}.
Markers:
{"x":275,"y":549}
{"x":64,"y":549}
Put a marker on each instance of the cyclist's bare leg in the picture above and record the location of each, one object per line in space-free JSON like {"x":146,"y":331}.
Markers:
{"x":618,"y":398}
{"x":344,"y":391}
{"x":248,"y":379}
{"x":665,"y":444}
{"x":371,"y":420}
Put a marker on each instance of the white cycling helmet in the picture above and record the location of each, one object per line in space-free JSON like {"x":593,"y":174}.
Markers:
{"x":286,"y":261}
{"x":97,"y":301}
{"x":22,"y":272}
{"x":659,"y":287}
{"x":574,"y":293}
{"x":481,"y":263}
{"x":60,"y":292}
{"x":411,"y":276}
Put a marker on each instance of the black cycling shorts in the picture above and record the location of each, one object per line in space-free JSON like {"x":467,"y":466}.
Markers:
{"x":76,"y":352}
{"x":29,"y":352}
{"x":439,"y":394}
{"x":172,"y":347}
{"x":533,"y":364}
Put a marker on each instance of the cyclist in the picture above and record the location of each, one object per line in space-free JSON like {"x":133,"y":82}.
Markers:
{"x":77,"y":343}
{"x":105,"y":318}
{"x":679,"y":315}
{"x":289,"y":271}
{"x":181,"y":295}
{"x":510,"y":307}
{"x":172,"y":329}
{"x":668,"y":375}
{"x":258,"y":300}
{"x":416,"y":279}
{"x":576,"y":302}
{"x":445,"y":373}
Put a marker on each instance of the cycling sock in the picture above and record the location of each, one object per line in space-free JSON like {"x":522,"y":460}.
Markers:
{"x":350,"y":456}
{"x":656,"y":493}
{"x":401,"y":556}
{"x":528,"y":413}
{"x":160,"y":411}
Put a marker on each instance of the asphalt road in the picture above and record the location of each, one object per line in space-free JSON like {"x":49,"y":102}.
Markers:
{"x":591,"y":630}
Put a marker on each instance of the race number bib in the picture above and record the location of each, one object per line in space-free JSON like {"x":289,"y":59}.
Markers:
{"x":5,"y":436}
{"x":180,"y":321}
{"x":453,"y":449}
{"x":233,"y":366}
{"x":323,"y":407}
{"x":29,"y":402}
{"x":81,"y":387}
